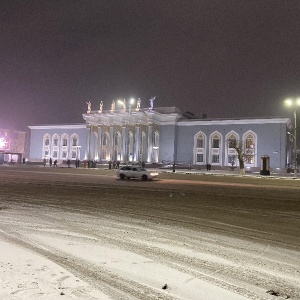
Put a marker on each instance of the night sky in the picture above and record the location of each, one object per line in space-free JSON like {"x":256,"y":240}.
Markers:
{"x":225,"y":58}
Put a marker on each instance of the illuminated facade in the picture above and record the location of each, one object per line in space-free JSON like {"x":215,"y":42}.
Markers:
{"x":164,"y":135}
{"x":59,"y":142}
{"x":12,"y":146}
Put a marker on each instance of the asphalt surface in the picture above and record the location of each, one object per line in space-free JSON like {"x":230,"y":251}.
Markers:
{"x":240,"y":236}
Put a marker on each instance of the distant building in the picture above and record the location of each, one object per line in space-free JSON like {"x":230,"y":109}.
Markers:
{"x":164,"y":135}
{"x":12,"y":146}
{"x":59,"y":142}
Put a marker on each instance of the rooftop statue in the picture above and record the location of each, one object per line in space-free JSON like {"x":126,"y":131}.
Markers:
{"x":151,"y":102}
{"x":101,"y":107}
{"x":89,"y":104}
{"x":113,"y":106}
{"x":138,"y":104}
{"x":124,"y":105}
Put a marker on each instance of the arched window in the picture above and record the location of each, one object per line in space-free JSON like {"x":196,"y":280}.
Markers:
{"x":232,"y":141}
{"x":250,"y":148}
{"x":199,"y":148}
{"x":215,"y":148}
{"x":64,"y":146}
{"x":216,"y":141}
{"x":75,"y":149}
{"x":46,"y":140}
{"x":65,"y":140}
{"x":46,"y":146}
{"x":74,"y":139}
{"x":55,"y":146}
{"x":250,"y":143}
{"x":200,"y":141}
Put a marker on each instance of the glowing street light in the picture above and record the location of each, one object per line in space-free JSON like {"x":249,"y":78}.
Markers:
{"x":3,"y":143}
{"x":123,"y":103}
{"x":131,"y":101}
{"x":294,"y":103}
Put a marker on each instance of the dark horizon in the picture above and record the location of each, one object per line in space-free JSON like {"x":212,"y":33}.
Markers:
{"x":226,"y":60}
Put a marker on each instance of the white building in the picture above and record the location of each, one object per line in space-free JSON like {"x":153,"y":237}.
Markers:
{"x":164,"y":135}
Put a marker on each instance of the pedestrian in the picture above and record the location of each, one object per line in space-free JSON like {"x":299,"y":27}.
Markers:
{"x":77,"y":163}
{"x":118,"y":164}
{"x":109,"y":165}
{"x":68,"y":163}
{"x":44,"y":162}
{"x":55,"y":163}
{"x":209,"y":167}
{"x":50,"y":162}
{"x":114,"y":164}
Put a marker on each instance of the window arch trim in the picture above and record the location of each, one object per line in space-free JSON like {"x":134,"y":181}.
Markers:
{"x":199,"y":153}
{"x":230,"y":153}
{"x":249,"y":149}
{"x":215,"y":153}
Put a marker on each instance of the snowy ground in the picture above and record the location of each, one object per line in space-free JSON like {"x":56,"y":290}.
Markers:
{"x":66,"y":234}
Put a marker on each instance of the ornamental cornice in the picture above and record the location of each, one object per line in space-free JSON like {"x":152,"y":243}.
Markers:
{"x":66,"y":126}
{"x":234,"y":122}
{"x":143,"y":117}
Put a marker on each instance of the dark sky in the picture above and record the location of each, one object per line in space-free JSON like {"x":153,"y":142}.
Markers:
{"x":226,"y":58}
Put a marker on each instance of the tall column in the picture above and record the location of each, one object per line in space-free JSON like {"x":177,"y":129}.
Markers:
{"x":150,"y":143}
{"x":112,"y":142}
{"x":95,"y":145}
{"x":99,"y":144}
{"x":88,"y":142}
{"x":124,"y":144}
{"x":137,"y":143}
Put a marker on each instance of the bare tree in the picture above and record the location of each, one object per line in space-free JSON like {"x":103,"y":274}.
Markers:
{"x":242,"y":155}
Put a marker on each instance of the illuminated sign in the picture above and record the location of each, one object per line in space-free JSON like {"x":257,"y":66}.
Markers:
{"x":4,"y":144}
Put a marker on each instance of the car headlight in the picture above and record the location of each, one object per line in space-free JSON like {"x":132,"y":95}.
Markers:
{"x":153,"y":174}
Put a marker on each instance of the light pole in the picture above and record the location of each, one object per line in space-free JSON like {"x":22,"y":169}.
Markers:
{"x":294,"y":103}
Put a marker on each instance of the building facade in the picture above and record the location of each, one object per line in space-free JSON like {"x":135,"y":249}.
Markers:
{"x":164,"y":135}
{"x":12,"y":146}
{"x":59,"y":142}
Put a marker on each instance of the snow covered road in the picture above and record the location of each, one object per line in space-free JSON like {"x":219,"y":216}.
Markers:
{"x":90,"y":236}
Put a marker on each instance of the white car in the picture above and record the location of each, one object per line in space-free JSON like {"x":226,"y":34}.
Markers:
{"x":135,"y":172}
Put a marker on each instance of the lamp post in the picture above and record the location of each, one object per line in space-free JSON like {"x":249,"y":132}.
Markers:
{"x":294,"y":103}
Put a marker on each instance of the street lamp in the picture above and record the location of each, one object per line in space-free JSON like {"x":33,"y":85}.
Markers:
{"x":294,"y":103}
